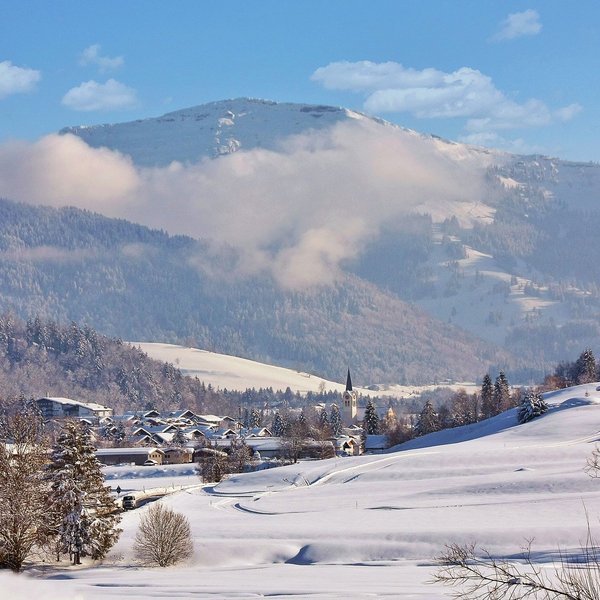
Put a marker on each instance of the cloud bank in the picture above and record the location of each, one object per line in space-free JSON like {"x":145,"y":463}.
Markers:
{"x":430,"y":93}
{"x":297,"y":213}
{"x":16,"y":80}
{"x":91,"y":95}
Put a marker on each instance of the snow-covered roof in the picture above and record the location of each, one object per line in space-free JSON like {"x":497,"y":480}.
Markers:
{"x":376,"y":442}
{"x":132,"y":451}
{"x":69,"y":402}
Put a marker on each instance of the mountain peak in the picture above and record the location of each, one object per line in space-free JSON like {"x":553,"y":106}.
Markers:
{"x":211,"y":130}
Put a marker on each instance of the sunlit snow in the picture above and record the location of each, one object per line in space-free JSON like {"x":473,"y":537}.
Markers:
{"x":362,"y":527}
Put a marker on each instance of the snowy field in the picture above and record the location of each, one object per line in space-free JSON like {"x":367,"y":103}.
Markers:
{"x":361,"y":527}
{"x":235,"y":373}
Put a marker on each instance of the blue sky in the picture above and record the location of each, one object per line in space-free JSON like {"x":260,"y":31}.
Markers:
{"x":523,"y":76}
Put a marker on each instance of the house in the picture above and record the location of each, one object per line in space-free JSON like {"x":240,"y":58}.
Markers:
{"x":376,"y":444}
{"x":59,"y":408}
{"x":256,"y":432}
{"x":138,"y":456}
{"x":219,"y":422}
{"x":177,"y":456}
{"x":346,"y":444}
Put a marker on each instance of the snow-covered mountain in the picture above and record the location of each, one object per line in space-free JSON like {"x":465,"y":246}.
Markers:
{"x":505,"y":247}
{"x":211,"y":130}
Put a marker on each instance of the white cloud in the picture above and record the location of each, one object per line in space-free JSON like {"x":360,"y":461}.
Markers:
{"x":494,"y":140}
{"x":518,"y":25}
{"x":366,"y":75}
{"x":91,"y":56}
{"x":430,"y":93}
{"x":62,"y":170}
{"x":568,"y":112}
{"x":16,"y":80}
{"x":92,"y":95}
{"x":297,"y":213}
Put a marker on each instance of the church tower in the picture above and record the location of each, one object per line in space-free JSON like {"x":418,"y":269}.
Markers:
{"x":349,"y":404}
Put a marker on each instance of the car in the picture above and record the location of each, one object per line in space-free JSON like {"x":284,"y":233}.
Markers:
{"x":150,"y":463}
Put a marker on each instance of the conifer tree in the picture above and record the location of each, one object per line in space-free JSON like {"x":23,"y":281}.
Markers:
{"x":533,"y":405}
{"x":83,"y":512}
{"x":278,"y":425}
{"x":487,"y":397}
{"x":371,"y":422}
{"x":179,"y":439}
{"x":324,"y":420}
{"x":335,"y":420}
{"x":254,"y":420}
{"x":501,"y":399}
{"x":585,"y":367}
{"x":428,"y":420}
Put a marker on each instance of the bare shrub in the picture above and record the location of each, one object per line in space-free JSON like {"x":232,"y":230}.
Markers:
{"x":480,"y":576}
{"x":163,"y":537}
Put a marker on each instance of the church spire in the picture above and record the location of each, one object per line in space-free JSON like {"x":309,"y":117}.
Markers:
{"x":348,"y":382}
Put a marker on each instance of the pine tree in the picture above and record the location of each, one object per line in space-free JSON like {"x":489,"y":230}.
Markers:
{"x":324,"y":421}
{"x":246,"y":418}
{"x":119,"y":433}
{"x":533,"y":405}
{"x":371,"y":421}
{"x":179,"y":439}
{"x":335,"y":420}
{"x":82,"y":510}
{"x":278,"y":425}
{"x":501,"y":398}
{"x":254,"y":420}
{"x":487,"y":397}
{"x":585,"y":367}
{"x":428,"y":420}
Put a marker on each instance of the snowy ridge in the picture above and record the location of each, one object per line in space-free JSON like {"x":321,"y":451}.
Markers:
{"x":211,"y":130}
{"x":496,"y":483}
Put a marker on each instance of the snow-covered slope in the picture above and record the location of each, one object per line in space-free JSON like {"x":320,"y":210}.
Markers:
{"x":234,"y":373}
{"x":370,"y":526}
{"x":210,"y":130}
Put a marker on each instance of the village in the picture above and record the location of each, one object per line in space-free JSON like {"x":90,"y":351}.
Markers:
{"x":153,"y":438}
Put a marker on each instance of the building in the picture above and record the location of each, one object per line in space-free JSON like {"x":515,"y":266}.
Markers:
{"x":349,"y":404}
{"x":60,"y":408}
{"x":138,"y":456}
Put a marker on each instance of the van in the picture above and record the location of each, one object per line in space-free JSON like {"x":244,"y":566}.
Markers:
{"x":128,"y":502}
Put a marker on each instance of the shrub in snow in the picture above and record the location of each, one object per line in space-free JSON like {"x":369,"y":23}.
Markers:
{"x":164,"y":537}
{"x":533,"y":405}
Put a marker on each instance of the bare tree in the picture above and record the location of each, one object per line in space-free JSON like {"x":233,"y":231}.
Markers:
{"x":480,"y":576}
{"x":163,"y":537}
{"x":23,"y":508}
{"x":213,"y":464}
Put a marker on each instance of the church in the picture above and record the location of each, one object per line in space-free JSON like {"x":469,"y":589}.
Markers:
{"x":350,"y":404}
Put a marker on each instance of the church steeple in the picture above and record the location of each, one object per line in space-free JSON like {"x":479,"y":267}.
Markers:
{"x":349,"y":406}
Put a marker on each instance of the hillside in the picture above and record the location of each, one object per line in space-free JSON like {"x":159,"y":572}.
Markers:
{"x":131,"y":282}
{"x":510,"y":255}
{"x":310,"y":237}
{"x":40,"y":358}
{"x":320,"y":528}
